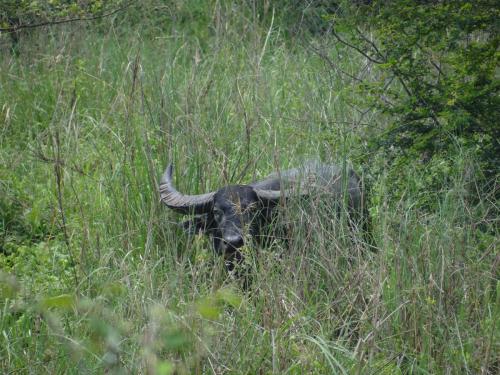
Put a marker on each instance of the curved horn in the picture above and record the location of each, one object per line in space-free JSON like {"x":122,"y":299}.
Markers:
{"x":269,"y":195}
{"x":276,"y":195}
{"x":197,"y":204}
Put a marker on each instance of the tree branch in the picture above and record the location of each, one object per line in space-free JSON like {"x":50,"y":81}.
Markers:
{"x":58,"y":22}
{"x":359,"y":50}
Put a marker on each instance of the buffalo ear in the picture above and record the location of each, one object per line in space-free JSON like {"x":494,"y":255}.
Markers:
{"x":198,"y":224}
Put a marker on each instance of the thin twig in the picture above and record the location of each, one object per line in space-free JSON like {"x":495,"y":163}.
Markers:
{"x":329,"y":61}
{"x":372,"y":44}
{"x":344,"y":42}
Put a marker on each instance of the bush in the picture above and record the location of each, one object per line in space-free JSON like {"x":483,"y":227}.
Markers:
{"x":438,"y":78}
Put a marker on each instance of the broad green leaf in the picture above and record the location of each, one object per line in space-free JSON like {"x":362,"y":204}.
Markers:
{"x":230,"y":296}
{"x":209,"y":308}
{"x":164,"y":368}
{"x":63,"y":301}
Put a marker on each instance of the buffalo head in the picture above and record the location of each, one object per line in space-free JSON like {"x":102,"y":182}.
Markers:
{"x":229,"y":214}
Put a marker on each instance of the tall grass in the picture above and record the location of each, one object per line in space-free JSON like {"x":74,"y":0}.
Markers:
{"x":98,"y":277}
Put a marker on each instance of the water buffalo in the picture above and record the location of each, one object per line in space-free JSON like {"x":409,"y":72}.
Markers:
{"x":236,"y":212}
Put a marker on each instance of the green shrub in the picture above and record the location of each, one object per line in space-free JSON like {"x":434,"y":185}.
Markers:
{"x":438,"y":74}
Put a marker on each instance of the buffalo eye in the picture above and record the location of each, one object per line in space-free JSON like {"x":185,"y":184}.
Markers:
{"x":218,"y":214}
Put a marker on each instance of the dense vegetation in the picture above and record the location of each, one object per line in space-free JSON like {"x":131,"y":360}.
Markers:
{"x":96,"y":277}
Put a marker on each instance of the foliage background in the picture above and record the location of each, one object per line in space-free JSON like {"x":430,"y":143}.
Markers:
{"x":95,"y":275}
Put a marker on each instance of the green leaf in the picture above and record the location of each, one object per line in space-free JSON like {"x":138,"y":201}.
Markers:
{"x":177,"y":340}
{"x":164,"y":368}
{"x":8,"y":286}
{"x":229,"y":296}
{"x":209,"y":308}
{"x":63,"y":301}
